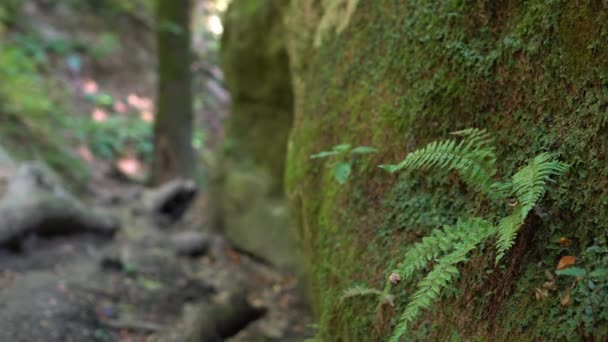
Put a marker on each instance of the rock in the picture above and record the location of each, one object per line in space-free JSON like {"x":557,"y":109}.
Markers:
{"x":169,"y":201}
{"x":191,"y":243}
{"x":223,"y":319}
{"x":34,"y":201}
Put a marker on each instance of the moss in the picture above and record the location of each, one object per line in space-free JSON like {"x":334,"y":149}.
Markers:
{"x":533,"y":73}
{"x":256,"y":66}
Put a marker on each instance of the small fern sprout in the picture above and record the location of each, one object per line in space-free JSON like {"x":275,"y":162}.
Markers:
{"x":364,"y":291}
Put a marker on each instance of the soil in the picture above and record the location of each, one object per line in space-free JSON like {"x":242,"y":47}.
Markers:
{"x":135,"y":287}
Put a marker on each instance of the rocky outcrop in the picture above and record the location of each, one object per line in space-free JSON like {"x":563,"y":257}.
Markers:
{"x":398,"y":74}
{"x":255,"y":61}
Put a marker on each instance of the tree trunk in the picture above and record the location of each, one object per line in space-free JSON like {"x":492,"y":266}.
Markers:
{"x":173,"y":153}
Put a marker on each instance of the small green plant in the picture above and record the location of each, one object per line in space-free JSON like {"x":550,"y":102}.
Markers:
{"x":473,"y":157}
{"x":342,"y":169}
{"x":111,"y":138}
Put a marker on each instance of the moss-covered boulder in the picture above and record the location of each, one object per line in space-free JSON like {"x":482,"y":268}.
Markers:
{"x":398,"y":74}
{"x":256,"y":65}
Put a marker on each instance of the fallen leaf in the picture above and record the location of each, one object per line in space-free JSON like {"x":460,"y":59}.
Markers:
{"x":540,"y":294}
{"x":566,"y":261}
{"x":549,"y":276}
{"x":85,"y":153}
{"x":565,"y":299}
{"x":99,"y":115}
{"x":90,"y":87}
{"x":549,"y":285}
{"x":130,"y":166}
{"x":120,"y":107}
{"x":564,"y":241}
{"x":147,"y":116}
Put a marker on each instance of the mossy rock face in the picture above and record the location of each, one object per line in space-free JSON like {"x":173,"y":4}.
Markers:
{"x":258,"y":221}
{"x":402,"y":74}
{"x":254,"y":57}
{"x":256,"y":67}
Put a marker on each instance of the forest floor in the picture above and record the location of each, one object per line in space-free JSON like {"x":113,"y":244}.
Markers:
{"x":136,"y":285}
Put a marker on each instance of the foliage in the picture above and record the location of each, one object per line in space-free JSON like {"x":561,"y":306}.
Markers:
{"x":533,"y":73}
{"x":115,"y":136}
{"x":342,"y":169}
{"x":360,"y":290}
{"x":29,"y":113}
{"x":474,"y":159}
{"x":528,"y":186}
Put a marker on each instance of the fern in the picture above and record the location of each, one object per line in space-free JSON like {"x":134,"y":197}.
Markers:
{"x":431,"y":286}
{"x":473,"y":158}
{"x":529,"y":187}
{"x":529,"y":182}
{"x":359,"y":290}
{"x":441,"y":241}
{"x":457,"y":242}
{"x":507,"y":231}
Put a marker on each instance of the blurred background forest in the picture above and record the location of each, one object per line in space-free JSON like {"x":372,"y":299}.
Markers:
{"x":113,"y":120}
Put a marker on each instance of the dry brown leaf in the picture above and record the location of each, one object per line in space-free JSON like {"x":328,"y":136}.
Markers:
{"x":549,"y":276}
{"x":540,"y":294}
{"x":549,"y":285}
{"x":565,"y":299}
{"x":566,"y":261}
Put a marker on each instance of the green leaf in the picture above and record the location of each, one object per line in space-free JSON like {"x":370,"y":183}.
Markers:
{"x":342,"y":148}
{"x":572,"y":272}
{"x":323,"y":154}
{"x":342,"y":172}
{"x":601,"y":273}
{"x":149,"y":284}
{"x":171,"y":27}
{"x":364,"y":150}
{"x":389,"y":168}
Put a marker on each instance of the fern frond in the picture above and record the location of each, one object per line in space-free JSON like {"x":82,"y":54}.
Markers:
{"x":359,"y":291}
{"x":431,"y":286}
{"x":507,"y":231}
{"x":529,"y":186}
{"x":439,"y":242}
{"x":473,"y":157}
{"x":449,"y":246}
{"x":529,"y":182}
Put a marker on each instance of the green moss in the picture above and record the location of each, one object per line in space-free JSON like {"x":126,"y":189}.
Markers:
{"x":535,"y":74}
{"x":254,"y":57}
{"x":256,"y":67}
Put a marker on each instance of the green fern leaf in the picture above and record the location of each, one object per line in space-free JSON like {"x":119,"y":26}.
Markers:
{"x":442,"y":241}
{"x":430,"y":288}
{"x":529,"y":187}
{"x":362,"y":291}
{"x":529,"y":182}
{"x":473,"y":157}
{"x":507,"y":231}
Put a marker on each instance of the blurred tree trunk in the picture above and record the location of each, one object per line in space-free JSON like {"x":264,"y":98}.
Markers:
{"x":173,"y":153}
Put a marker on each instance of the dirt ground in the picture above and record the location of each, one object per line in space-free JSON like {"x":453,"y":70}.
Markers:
{"x":135,"y":287}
